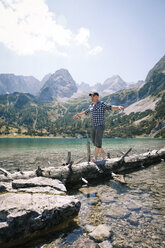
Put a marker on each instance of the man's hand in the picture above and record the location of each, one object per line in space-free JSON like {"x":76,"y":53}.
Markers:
{"x":121,"y":108}
{"x":75,"y":117}
{"x":79,"y":114}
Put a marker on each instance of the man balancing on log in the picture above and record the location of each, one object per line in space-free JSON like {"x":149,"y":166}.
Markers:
{"x":97,"y":110}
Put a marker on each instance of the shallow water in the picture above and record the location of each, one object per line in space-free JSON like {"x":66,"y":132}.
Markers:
{"x":135,"y":211}
{"x":28,"y":154}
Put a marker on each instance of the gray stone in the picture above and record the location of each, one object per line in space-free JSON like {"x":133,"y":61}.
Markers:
{"x":17,"y":175}
{"x":133,"y":220}
{"x":104,"y":244}
{"x":22,"y":214}
{"x":38,"y":182}
{"x":118,"y":212}
{"x":134,"y":205}
{"x":47,"y":189}
{"x":82,"y":242}
{"x":101,"y":232}
{"x":89,"y":228}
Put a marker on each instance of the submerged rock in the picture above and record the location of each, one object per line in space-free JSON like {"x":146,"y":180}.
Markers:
{"x":82,"y":242}
{"x":104,"y":244}
{"x":101,"y":232}
{"x":23,"y":214}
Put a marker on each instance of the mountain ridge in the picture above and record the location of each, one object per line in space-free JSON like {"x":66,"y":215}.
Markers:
{"x":46,"y":88}
{"x":10,"y":83}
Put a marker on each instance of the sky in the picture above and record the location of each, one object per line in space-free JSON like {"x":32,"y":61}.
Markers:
{"x":92,"y":39}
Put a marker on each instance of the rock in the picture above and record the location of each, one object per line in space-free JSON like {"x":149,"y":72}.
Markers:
{"x":82,"y":242}
{"x":89,"y":228}
{"x":119,"y":212}
{"x":22,"y":215}
{"x":17,"y":175}
{"x":133,"y":220}
{"x":47,"y":189}
{"x":134,"y":205}
{"x":38,"y":182}
{"x":101,"y":232}
{"x":104,"y":244}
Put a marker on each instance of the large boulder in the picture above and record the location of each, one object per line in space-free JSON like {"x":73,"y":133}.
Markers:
{"x":22,"y":215}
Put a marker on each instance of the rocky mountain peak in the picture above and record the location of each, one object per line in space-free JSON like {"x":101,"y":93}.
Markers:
{"x":59,"y":85}
{"x":159,"y":68}
{"x":155,"y":80}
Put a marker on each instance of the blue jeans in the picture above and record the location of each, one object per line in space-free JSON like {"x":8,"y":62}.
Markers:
{"x":97,"y":135}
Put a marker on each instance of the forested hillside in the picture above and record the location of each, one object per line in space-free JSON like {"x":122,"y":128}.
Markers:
{"x":20,"y":113}
{"x":23,"y":113}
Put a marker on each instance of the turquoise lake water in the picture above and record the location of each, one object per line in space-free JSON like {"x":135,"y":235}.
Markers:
{"x":28,"y":153}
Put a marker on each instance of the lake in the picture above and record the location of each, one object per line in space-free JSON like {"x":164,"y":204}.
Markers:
{"x":135,"y":211}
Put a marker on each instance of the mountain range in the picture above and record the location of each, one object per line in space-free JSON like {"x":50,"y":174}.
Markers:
{"x":109,"y":86}
{"x":43,"y":114}
{"x":59,"y":86}
{"x":10,"y":83}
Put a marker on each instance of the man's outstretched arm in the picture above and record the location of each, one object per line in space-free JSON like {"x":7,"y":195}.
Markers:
{"x":79,"y":114}
{"x":113,"y":107}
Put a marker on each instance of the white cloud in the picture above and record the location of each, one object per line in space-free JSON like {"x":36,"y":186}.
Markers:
{"x":83,"y":36}
{"x":27,"y":26}
{"x":96,"y":50}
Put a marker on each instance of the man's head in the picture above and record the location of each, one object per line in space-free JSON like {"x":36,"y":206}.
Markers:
{"x":94,"y":96}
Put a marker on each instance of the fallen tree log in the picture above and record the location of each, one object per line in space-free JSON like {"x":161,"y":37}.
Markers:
{"x":73,"y":173}
{"x":89,"y":171}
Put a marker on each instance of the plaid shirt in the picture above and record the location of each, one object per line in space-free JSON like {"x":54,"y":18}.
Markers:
{"x":97,"y":112}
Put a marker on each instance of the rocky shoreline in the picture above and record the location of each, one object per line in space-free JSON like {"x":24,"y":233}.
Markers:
{"x":34,"y":202}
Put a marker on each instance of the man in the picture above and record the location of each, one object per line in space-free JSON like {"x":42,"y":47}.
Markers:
{"x":97,"y":110}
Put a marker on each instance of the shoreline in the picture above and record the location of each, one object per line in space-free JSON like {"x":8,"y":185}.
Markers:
{"x":67,"y":137}
{"x":30,"y":137}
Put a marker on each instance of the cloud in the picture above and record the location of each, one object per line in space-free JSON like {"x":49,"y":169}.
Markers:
{"x":28,"y":26}
{"x":83,"y":36}
{"x":96,"y":50}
